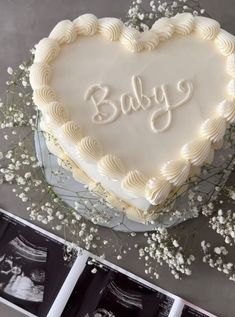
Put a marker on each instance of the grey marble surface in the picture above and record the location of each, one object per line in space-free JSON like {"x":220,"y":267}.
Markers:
{"x":22,"y":24}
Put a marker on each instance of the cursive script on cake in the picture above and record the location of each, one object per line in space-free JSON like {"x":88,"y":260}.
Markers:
{"x":107,"y":110}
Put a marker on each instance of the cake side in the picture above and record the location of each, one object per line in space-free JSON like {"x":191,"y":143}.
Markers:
{"x":96,"y":188}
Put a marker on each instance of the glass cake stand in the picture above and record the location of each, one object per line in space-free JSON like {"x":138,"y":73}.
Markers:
{"x":94,"y":208}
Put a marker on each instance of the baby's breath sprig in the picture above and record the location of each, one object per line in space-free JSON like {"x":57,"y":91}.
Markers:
{"x":216,"y":258}
{"x":161,"y":248}
{"x":141,"y":18}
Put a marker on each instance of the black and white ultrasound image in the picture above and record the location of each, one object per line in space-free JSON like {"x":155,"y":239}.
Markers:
{"x":28,"y":260}
{"x":23,"y":270}
{"x":109,"y":293}
{"x":191,"y":312}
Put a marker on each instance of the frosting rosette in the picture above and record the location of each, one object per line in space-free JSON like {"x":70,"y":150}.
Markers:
{"x":64,"y":32}
{"x":110,"y":28}
{"x":183,"y":23}
{"x":225,"y":42}
{"x":214,"y":129}
{"x":164,"y":28}
{"x":90,"y":149}
{"x":134,"y":183}
{"x":56,"y":113}
{"x":43,"y":95}
{"x":176,"y":172}
{"x":46,"y":51}
{"x":39,"y":75}
{"x":130,"y":38}
{"x":196,"y":151}
{"x":111,"y":166}
{"x":207,"y":28}
{"x":157,"y":190}
{"x":72,"y":131}
{"x":226,"y":109}
{"x":86,"y":24}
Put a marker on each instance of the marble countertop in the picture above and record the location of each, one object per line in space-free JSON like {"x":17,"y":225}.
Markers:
{"x":25,"y":22}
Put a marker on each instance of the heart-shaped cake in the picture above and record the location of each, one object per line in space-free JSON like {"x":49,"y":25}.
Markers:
{"x":134,"y":115}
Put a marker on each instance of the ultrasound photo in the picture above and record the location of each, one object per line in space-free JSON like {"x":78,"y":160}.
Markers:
{"x":22,"y":270}
{"x":191,"y":312}
{"x":104,"y":292}
{"x":28,"y":258}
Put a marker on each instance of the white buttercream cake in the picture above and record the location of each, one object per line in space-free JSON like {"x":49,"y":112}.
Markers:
{"x":134,"y":115}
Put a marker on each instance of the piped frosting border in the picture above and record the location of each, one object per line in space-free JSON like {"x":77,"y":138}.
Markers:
{"x":193,"y":154}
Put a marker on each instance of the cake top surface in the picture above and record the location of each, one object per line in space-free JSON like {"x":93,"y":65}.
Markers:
{"x":137,"y":111}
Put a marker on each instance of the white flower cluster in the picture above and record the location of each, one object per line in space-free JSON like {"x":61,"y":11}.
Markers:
{"x":224,"y":224}
{"x":162,"y":247}
{"x":18,"y":91}
{"x":142,"y":19}
{"x":208,"y":209}
{"x":13,"y":173}
{"x":217,"y":259}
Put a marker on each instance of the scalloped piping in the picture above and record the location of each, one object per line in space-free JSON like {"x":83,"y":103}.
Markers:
{"x":86,"y":24}
{"x":72,"y":131}
{"x":163,"y":28}
{"x":40,"y":75}
{"x":207,"y":28}
{"x":134,"y":183}
{"x":64,"y":32}
{"x":48,"y":49}
{"x":183,"y":23}
{"x":157,"y":190}
{"x":112,"y":167}
{"x":90,"y":149}
{"x":110,"y":28}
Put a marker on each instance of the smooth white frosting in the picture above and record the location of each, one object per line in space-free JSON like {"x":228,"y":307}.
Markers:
{"x":73,"y":92}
